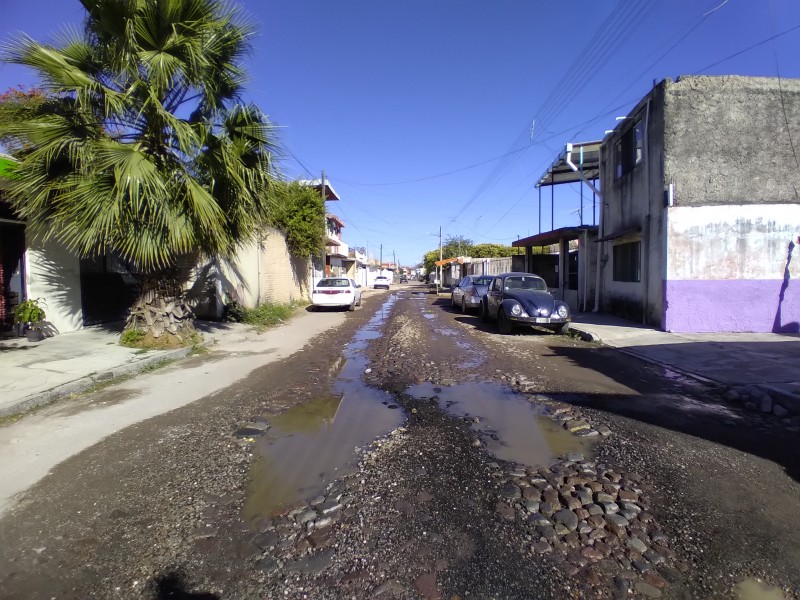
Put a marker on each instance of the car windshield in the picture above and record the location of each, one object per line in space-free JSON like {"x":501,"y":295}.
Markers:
{"x":333,"y":283}
{"x":482,"y":281}
{"x":525,"y":283}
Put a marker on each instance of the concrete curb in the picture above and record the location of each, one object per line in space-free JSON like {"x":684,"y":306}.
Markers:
{"x":788,"y":400}
{"x":589,"y":336}
{"x":40,"y":399}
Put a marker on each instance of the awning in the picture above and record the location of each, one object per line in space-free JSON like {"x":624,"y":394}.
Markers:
{"x":633,"y":231}
{"x":458,"y":259}
{"x":584,"y":155}
{"x":548,"y":238}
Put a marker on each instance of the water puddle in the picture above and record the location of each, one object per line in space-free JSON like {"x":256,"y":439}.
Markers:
{"x":753,"y":589}
{"x":511,"y":427}
{"x":313,"y":443}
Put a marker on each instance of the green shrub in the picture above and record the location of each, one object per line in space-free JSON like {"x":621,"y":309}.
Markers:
{"x":268,"y":315}
{"x":233,"y":312}
{"x":29,"y":311}
{"x":132,"y":338}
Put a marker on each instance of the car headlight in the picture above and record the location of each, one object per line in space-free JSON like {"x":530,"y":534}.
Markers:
{"x":517,"y":311}
{"x":562,"y":311}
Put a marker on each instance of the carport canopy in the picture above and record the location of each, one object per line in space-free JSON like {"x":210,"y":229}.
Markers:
{"x":549,"y":238}
{"x":584,"y":155}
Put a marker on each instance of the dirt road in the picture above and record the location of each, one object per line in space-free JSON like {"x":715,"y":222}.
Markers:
{"x":485,"y":466}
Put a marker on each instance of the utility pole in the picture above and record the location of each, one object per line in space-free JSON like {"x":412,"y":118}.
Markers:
{"x":380,"y":264}
{"x":440,"y":260}
{"x":394,"y":260}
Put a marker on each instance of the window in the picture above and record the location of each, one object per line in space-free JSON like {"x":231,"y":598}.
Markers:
{"x":629,"y":150}
{"x":628,"y":261}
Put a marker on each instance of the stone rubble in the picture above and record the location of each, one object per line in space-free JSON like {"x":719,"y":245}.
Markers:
{"x":755,"y":399}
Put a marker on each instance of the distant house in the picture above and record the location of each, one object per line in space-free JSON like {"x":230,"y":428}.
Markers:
{"x":699,"y":189}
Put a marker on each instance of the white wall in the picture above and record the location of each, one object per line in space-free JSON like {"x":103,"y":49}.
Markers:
{"x":53,"y":275}
{"x":732,"y":241}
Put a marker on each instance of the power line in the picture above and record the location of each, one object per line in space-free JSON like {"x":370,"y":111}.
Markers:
{"x":780,"y":88}
{"x":429,"y":177}
{"x":621,"y":18}
{"x":753,"y":47}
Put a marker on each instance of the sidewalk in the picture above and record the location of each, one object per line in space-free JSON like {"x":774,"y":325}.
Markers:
{"x":35,"y":374}
{"x":768,"y":361}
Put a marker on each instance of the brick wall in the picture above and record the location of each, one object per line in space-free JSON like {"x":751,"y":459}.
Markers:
{"x":284,"y":278}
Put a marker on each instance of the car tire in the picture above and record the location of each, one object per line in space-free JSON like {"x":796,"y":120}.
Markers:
{"x":359,"y":301}
{"x":484,"y":312}
{"x":463,"y":306}
{"x":352,"y":307}
{"x":562,"y":329}
{"x":503,"y":323}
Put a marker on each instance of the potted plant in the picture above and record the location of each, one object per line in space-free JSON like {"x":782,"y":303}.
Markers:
{"x":31,"y":315}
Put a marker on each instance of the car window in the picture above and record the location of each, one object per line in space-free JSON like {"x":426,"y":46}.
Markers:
{"x":523,"y":282}
{"x":497,"y":285}
{"x":482,"y":281}
{"x":334,"y":283}
{"x":465,"y":282}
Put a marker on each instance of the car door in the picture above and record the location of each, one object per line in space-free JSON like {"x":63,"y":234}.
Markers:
{"x":494,"y":297}
{"x":356,"y":291}
{"x":458,"y":291}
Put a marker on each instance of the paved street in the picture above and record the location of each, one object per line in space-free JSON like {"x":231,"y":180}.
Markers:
{"x":405,"y":450}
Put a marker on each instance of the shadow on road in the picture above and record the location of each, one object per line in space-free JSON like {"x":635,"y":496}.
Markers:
{"x":173,"y":587}
{"x":698,"y":411}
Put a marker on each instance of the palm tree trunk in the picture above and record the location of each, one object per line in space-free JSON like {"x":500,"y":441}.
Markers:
{"x":161,"y":309}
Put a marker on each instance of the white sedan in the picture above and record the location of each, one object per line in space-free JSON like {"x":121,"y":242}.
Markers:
{"x":381,"y":282}
{"x":336,"y":291}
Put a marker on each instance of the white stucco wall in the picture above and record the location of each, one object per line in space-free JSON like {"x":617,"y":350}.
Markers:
{"x":732,"y":241}
{"x":53,"y":275}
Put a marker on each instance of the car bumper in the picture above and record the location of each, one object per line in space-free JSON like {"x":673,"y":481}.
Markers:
{"x":472,"y":301}
{"x":542,"y":321}
{"x":381,"y":287}
{"x":332,"y":301}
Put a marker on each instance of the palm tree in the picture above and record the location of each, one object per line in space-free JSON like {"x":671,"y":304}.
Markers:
{"x":140,"y":144}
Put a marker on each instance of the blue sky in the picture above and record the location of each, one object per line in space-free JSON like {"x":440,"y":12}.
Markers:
{"x":398,"y":100}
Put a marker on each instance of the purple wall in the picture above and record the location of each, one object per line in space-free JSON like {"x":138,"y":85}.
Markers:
{"x":732,"y":305}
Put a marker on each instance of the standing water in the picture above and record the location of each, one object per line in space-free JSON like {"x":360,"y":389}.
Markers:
{"x":313,"y":443}
{"x":510,"y":427}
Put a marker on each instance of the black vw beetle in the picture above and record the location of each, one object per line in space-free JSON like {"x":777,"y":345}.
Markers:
{"x":523,"y":299}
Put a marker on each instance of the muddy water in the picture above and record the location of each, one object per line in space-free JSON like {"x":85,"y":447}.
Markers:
{"x":313,"y":443}
{"x":751,"y":589}
{"x":510,"y":427}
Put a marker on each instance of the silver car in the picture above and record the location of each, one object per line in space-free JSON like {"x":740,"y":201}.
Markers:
{"x":469,"y":291}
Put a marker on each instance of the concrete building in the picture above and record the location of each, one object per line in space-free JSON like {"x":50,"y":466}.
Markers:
{"x":701,"y":207}
{"x":695,"y":210}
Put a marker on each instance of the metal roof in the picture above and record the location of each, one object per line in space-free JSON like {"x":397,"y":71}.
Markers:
{"x":548,"y":238}
{"x":584,"y":155}
{"x":330,"y":193}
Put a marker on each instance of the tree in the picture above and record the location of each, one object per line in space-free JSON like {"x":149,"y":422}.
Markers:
{"x":299,"y":212}
{"x":141,"y":144}
{"x":453,"y":245}
{"x":492,"y":251}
